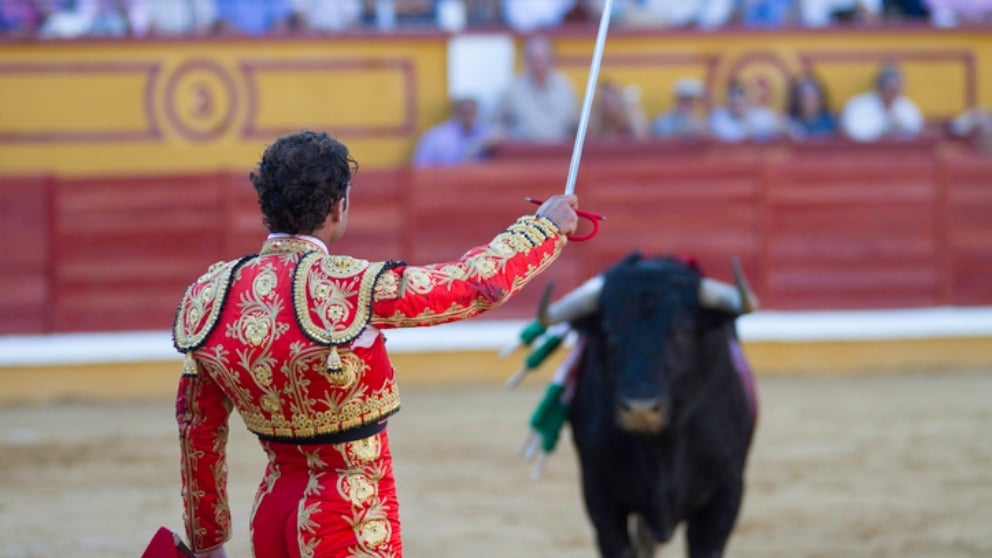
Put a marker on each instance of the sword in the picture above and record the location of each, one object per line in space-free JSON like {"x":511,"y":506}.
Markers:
{"x":580,"y":134}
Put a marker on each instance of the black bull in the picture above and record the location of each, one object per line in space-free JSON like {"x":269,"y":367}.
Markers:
{"x":661,"y":419}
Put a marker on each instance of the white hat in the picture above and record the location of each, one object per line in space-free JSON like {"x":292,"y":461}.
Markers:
{"x":689,"y":88}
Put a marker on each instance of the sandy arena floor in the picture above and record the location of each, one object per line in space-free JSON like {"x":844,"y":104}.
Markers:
{"x":873,"y":466}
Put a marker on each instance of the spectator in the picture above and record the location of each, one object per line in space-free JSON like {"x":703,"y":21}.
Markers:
{"x":483,"y":12}
{"x":20,"y":17}
{"x":617,"y":114}
{"x":767,"y":13}
{"x":741,"y":120}
{"x":809,"y":111}
{"x":323,"y":16}
{"x":540,"y":104}
{"x":97,"y":17}
{"x":685,"y":13}
{"x":415,"y":12}
{"x":976,"y":125}
{"x":460,"y":139}
{"x":687,"y":119}
{"x":948,"y":13}
{"x":905,"y":9}
{"x":820,"y":13}
{"x":180,"y":17}
{"x":251,"y":17}
{"x":528,"y":15}
{"x":883,"y":112}
{"x":387,"y":14}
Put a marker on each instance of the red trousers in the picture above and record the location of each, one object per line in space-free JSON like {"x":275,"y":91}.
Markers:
{"x":327,"y":501}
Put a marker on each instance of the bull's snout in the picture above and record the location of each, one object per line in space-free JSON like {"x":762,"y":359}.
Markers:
{"x":642,"y":416}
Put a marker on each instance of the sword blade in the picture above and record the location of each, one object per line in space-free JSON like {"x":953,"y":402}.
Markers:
{"x":580,"y":134}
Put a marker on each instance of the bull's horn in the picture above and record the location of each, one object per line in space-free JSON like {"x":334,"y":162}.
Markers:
{"x":736,"y":299}
{"x":749,"y":300}
{"x":579,"y":303}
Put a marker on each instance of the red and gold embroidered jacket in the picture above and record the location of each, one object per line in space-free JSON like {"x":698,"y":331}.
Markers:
{"x":290,"y":339}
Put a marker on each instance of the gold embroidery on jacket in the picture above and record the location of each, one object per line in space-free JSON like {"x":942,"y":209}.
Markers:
{"x":191,"y":418}
{"x":338,"y":408}
{"x":200,"y":306}
{"x":322,"y":296}
{"x":457,"y":311}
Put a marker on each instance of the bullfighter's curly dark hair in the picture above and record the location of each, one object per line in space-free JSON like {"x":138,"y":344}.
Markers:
{"x":299,"y":179}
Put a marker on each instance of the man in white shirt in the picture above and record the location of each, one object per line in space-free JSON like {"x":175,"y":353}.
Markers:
{"x":883,"y":112}
{"x":742,"y":120}
{"x":540,"y":105}
{"x":329,"y":17}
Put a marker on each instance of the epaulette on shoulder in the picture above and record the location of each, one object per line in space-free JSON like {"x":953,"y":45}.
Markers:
{"x":201,"y":305}
{"x":319,"y":283}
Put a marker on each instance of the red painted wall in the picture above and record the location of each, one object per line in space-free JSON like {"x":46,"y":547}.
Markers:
{"x":837,"y":225}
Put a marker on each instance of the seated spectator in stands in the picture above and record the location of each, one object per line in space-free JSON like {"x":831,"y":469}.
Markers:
{"x":180,"y":18}
{"x":809,"y":111}
{"x":948,"y":13}
{"x":766,"y":13}
{"x":684,"y":13}
{"x":617,"y":114}
{"x":687,"y":119}
{"x":97,"y":18}
{"x":324,"y":17}
{"x":976,"y":125}
{"x":483,"y":13}
{"x":416,"y":12}
{"x":902,"y":10}
{"x":458,"y":140}
{"x":540,"y":104}
{"x":741,"y":120}
{"x":20,"y":17}
{"x":251,"y":17}
{"x":387,"y":14}
{"x":528,"y":15}
{"x":883,"y":112}
{"x":820,"y":13}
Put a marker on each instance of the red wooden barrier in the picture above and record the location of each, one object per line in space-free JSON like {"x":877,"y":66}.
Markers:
{"x":861,"y":234}
{"x":838,"y":225}
{"x":124,"y":247}
{"x":967,"y":229}
{"x":26,"y":260}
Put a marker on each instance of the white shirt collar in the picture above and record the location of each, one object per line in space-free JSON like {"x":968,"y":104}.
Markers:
{"x":312,"y":239}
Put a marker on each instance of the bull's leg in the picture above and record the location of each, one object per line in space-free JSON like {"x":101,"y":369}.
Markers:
{"x":643,"y":538}
{"x":609,"y":520}
{"x":710,"y":526}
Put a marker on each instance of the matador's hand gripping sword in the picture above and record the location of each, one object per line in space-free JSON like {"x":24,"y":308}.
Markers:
{"x":580,"y":134}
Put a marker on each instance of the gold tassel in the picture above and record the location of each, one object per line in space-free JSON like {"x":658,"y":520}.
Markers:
{"x":334,"y":365}
{"x":189,"y":365}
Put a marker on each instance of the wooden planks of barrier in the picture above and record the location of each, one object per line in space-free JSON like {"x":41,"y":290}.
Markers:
{"x":840,"y":226}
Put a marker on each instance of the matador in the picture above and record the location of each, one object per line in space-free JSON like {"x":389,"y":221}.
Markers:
{"x":291,"y":339}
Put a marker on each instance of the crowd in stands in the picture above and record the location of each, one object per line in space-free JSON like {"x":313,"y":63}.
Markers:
{"x":74,"y":18}
{"x":540,"y":107}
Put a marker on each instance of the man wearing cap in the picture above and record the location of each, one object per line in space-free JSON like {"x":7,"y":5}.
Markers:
{"x":685,"y":120}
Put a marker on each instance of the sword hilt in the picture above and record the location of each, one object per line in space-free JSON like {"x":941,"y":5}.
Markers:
{"x":593,"y":218}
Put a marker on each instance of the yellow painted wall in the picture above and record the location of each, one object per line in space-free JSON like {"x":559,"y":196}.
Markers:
{"x":132,"y":107}
{"x":102,"y":107}
{"x":24,"y":384}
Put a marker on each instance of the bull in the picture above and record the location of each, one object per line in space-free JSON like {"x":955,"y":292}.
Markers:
{"x":663,"y":410}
